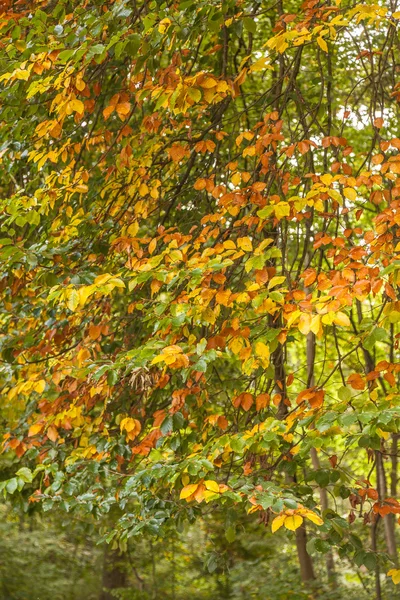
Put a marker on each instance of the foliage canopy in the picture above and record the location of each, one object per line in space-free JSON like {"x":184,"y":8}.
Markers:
{"x":200,"y":259}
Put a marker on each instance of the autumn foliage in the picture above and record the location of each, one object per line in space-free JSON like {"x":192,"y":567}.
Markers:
{"x":200,"y":252}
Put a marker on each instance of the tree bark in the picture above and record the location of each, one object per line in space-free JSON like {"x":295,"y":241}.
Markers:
{"x":388,"y":520}
{"x":388,"y":523}
{"x":323,"y":495}
{"x":305,"y":562}
{"x":374,"y":548}
{"x":114,"y":574}
{"x":306,"y":566}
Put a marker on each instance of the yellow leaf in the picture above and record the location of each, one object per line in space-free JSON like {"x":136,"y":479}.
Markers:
{"x":158,"y":359}
{"x":395,"y":573}
{"x":276,"y":281}
{"x":222,"y":297}
{"x":282,"y":209}
{"x":314,"y":518}
{"x":342,"y":319}
{"x":76,"y":106}
{"x":236,"y":345}
{"x":212,"y":486}
{"x":326,"y":179}
{"x":315,"y":324}
{"x":108,"y":111}
{"x":305,"y":323}
{"x":260,"y":64}
{"x":72,"y":299}
{"x":245,"y":244}
{"x":84,"y":293}
{"x":350,"y":193}
{"x":292,"y":318}
{"x":334,"y":194}
{"x":188,"y":490}
{"x":82,"y":356}
{"x":101,"y":279}
{"x":123,"y":109}
{"x":34,"y":429}
{"x":39,"y":386}
{"x":236,"y":178}
{"x":262,"y":351}
{"x":322,"y":44}
{"x":277,"y":523}
{"x":143,"y":189}
{"x":163,"y":25}
{"x":208,"y":83}
{"x":293,"y":523}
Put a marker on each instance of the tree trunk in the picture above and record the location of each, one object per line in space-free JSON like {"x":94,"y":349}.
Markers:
{"x":388,"y":520}
{"x":306,"y":566}
{"x":114,"y":574}
{"x":323,"y":495}
{"x":374,"y":548}
{"x":388,"y":523}
{"x":393,"y":472}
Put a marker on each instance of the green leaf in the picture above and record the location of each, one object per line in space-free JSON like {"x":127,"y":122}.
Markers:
{"x":12,"y":485}
{"x":344,"y":393}
{"x":25,"y":474}
{"x":250,"y":24}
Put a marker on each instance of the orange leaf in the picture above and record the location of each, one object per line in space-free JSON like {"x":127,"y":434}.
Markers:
{"x":262,"y":401}
{"x":52,"y":433}
{"x":35,"y":429}
{"x":94,"y":331}
{"x":356,"y":381}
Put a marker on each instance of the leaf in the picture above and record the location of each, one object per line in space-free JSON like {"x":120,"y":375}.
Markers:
{"x":35,"y":429}
{"x":250,"y":24}
{"x":305,"y":323}
{"x":246,"y":401}
{"x":230,"y":534}
{"x":314,"y":518}
{"x":212,"y":486}
{"x":94,"y":331}
{"x":262,"y":401}
{"x":12,"y":485}
{"x":344,"y":393}
{"x":282,"y":209}
{"x":40,"y":386}
{"x":25,"y":474}
{"x":188,"y":490}
{"x":245,"y":244}
{"x":394,"y":573}
{"x":326,"y":179}
{"x":52,"y":433}
{"x":276,"y":281}
{"x":342,"y":319}
{"x":322,"y":44}
{"x":356,"y":381}
{"x":278,"y":522}
{"x":262,"y":351}
{"x":77,"y":106}
{"x":350,"y":193}
{"x":72,"y":299}
{"x":293,"y":522}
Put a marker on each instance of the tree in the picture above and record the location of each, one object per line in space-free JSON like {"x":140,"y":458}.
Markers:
{"x":200,"y":211}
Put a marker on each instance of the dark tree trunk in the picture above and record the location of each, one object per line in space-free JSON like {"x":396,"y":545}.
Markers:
{"x":306,"y":567}
{"x":114,"y":574}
